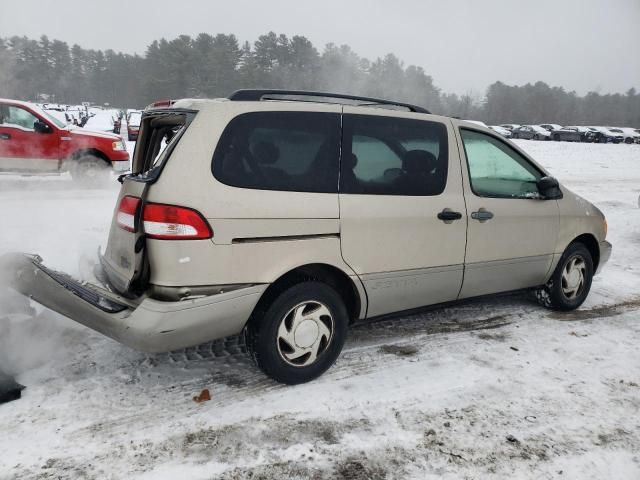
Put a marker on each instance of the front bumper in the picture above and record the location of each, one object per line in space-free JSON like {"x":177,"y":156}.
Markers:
{"x":148,"y":325}
{"x":605,"y":253}
{"x":120,"y":166}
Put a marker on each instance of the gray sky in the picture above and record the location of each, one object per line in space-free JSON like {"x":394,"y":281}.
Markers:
{"x":465,"y":45}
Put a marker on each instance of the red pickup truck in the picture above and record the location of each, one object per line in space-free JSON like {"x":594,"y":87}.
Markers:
{"x":32,"y":141}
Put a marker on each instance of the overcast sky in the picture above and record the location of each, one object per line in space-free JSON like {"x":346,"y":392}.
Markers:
{"x":464,"y":45}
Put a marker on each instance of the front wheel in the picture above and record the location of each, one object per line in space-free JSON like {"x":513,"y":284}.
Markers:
{"x":90,"y":170}
{"x":570,"y":283}
{"x":300,"y":334}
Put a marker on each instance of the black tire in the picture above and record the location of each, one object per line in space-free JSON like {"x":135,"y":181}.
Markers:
{"x":90,"y":170}
{"x":515,"y":136}
{"x":536,"y":137}
{"x":553,"y":295}
{"x":628,"y":140}
{"x":268,"y":348}
{"x":556,"y":137}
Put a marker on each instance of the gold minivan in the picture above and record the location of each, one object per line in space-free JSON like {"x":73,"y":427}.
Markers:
{"x":289,"y":215}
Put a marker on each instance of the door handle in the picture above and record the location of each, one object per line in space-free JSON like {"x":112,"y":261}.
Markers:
{"x":447,"y":215}
{"x":5,"y":136}
{"x":482,"y":215}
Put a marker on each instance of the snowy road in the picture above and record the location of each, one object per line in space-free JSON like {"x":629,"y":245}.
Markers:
{"x":491,"y":388}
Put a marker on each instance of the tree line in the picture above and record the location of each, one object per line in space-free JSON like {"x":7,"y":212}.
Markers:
{"x":216,"y":65}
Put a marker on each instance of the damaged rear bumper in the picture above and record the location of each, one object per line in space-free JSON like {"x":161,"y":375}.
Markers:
{"x":148,"y":325}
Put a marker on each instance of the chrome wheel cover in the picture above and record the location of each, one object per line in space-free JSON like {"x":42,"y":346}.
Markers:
{"x":305,"y":333}
{"x":574,"y":277}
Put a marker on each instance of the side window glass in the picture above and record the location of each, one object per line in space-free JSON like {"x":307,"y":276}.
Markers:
{"x":11,"y":116}
{"x":381,"y":160}
{"x":496,"y":170}
{"x":393,"y":156}
{"x":288,"y":151}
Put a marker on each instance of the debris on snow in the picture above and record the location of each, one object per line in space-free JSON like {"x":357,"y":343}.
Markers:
{"x":204,"y":396}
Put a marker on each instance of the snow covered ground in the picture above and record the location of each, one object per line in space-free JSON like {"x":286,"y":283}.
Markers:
{"x":491,"y":388}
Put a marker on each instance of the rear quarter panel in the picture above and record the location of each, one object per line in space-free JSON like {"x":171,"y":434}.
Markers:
{"x":246,"y":223}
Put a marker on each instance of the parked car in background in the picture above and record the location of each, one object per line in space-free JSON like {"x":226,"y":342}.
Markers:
{"x":236,"y":228}
{"x":567,"y":134}
{"x":531,"y":132}
{"x":551,"y":127}
{"x":101,"y":121}
{"x":630,"y":135}
{"x":506,"y":133}
{"x":33,"y":141}
{"x":586,"y":134}
{"x":510,"y":126}
{"x":133,"y":125}
{"x":604,"y":135}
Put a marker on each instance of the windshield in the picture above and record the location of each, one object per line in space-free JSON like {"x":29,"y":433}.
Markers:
{"x":49,"y":117}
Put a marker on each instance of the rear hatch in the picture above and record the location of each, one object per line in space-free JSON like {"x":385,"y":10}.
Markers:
{"x":124,"y":261}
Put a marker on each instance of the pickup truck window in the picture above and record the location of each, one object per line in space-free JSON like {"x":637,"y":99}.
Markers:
{"x":11,"y":116}
{"x":497,"y":170}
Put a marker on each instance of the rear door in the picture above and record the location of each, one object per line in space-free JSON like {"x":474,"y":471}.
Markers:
{"x":21,"y":147}
{"x":402,"y":212}
{"x":124,"y":260}
{"x":512,"y":231}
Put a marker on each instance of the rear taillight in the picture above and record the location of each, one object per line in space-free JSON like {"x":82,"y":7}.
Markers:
{"x":126,"y":216}
{"x":169,"y":222}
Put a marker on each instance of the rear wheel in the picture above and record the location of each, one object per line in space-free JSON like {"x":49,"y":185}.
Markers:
{"x":300,"y":334}
{"x":570,"y":283}
{"x":90,"y":170}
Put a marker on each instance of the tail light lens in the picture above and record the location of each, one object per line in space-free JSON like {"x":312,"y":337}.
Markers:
{"x":126,"y":216}
{"x":170,"y":222}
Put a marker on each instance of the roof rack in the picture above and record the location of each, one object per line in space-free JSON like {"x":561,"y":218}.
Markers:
{"x":257,"y":95}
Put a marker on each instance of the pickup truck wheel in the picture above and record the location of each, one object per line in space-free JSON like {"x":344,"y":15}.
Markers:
{"x":89,"y":169}
{"x":570,"y":283}
{"x":300,"y":334}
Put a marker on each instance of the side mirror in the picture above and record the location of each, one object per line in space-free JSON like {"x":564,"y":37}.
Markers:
{"x":549,"y":188}
{"x":40,"y":127}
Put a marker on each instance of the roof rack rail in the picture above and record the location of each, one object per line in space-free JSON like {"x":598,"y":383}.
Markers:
{"x":260,"y":94}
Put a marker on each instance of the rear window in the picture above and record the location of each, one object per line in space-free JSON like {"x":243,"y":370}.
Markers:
{"x":288,"y":151}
